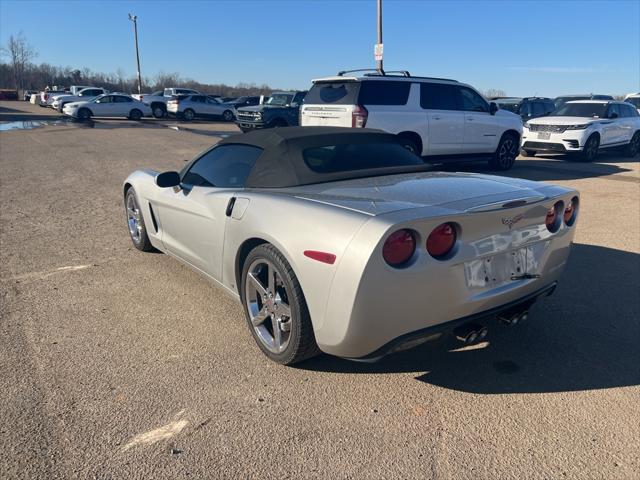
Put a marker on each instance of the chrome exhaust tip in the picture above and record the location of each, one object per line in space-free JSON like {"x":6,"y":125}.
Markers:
{"x":512,"y":320}
{"x":470,"y":333}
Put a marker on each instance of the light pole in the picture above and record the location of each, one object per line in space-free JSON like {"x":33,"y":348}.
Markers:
{"x":134,"y":19}
{"x":379,"y":54}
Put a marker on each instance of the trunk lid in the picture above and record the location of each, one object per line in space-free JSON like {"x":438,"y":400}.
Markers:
{"x":454,"y":191}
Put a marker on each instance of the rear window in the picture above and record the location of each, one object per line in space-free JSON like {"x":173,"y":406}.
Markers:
{"x":336,"y":93}
{"x":358,"y":156}
{"x":384,"y":93}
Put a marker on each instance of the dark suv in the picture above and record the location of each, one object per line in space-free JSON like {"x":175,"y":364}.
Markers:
{"x":528,"y":107}
{"x":281,"y":110}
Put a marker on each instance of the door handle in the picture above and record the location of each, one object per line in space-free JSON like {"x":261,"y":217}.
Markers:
{"x":229,"y":210}
{"x":469,"y":119}
{"x":437,"y":118}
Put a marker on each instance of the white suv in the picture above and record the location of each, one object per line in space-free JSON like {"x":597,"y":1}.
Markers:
{"x":437,"y":118}
{"x":583,"y":128}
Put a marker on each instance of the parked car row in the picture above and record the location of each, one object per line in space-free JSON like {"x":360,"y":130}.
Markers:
{"x":439,"y":119}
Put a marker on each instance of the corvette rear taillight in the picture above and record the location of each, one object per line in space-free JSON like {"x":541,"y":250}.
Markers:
{"x":553,"y":219}
{"x":399,"y":248}
{"x":571,"y":212}
{"x":441,"y":240}
{"x":359,"y":117}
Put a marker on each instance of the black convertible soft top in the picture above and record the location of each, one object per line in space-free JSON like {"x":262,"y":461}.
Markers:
{"x":281,"y":163}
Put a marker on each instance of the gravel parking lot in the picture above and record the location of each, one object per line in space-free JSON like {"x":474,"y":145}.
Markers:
{"x":118,"y":364}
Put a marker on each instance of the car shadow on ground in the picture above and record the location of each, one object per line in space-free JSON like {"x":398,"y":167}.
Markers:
{"x":551,"y":168}
{"x":583,"y":337}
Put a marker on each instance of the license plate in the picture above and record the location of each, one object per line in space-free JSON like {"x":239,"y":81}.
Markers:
{"x":497,"y":269}
{"x":544,"y":135}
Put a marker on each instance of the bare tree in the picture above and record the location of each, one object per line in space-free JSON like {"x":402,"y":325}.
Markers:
{"x":20,"y":54}
{"x":494,"y":92}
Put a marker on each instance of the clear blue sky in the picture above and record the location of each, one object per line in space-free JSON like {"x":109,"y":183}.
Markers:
{"x":523,"y":47}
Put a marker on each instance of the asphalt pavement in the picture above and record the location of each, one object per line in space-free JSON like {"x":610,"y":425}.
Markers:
{"x":117,"y":364}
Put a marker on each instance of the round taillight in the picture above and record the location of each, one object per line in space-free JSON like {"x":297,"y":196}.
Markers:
{"x":441,"y":240}
{"x":552,"y":220}
{"x":399,"y":247}
{"x":571,"y":212}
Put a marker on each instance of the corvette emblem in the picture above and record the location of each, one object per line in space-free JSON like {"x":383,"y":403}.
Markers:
{"x":511,"y":221}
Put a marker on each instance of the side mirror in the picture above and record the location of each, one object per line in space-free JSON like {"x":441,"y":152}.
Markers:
{"x":493,"y":108}
{"x":168,"y":179}
{"x":613,"y":115}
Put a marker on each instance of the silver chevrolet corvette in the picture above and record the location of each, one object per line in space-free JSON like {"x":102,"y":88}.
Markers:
{"x":342,"y":241}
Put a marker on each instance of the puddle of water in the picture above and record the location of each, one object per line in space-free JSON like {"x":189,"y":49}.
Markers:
{"x":30,"y":124}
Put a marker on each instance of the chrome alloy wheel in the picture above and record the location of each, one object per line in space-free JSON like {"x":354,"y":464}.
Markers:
{"x":136,"y":228}
{"x":267,"y":303}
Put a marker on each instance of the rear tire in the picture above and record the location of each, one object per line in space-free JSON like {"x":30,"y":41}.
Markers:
{"x":285,"y":339}
{"x":506,"y":153}
{"x":227,"y":116}
{"x":135,"y":114}
{"x":590,"y":149}
{"x":188,"y":115}
{"x":410,"y":144}
{"x":633,"y":148}
{"x":135,"y":222}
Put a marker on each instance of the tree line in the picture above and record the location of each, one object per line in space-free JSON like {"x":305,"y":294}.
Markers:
{"x":21,"y":73}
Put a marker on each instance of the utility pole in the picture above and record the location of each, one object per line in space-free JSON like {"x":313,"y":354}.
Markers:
{"x":134,"y":19}
{"x":378,"y":49}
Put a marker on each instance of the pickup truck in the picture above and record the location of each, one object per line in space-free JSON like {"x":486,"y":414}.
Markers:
{"x":86,"y":94}
{"x":281,"y":110}
{"x":46,"y":97}
{"x":158,"y":100}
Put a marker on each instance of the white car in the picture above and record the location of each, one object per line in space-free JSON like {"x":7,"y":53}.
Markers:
{"x":189,"y":107}
{"x":436,"y":118}
{"x":583,"y":128}
{"x":633,"y":99}
{"x":108,"y":105}
{"x":86,"y":94}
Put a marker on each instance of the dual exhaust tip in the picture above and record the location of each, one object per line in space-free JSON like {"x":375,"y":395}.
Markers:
{"x":513,"y":319}
{"x":470,"y":333}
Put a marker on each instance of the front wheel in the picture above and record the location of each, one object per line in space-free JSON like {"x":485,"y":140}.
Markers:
{"x":158,"y":111}
{"x":135,"y":222}
{"x":506,"y":153}
{"x":188,"y":115}
{"x":84,"y":114}
{"x":135,"y":114}
{"x":275,"y":307}
{"x":633,"y":148}
{"x":590,"y":150}
{"x":227,"y":116}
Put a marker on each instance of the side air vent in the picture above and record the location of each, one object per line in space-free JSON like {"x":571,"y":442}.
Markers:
{"x":153,"y":219}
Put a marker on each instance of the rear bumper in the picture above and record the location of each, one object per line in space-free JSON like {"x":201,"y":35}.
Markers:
{"x":437,"y":331}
